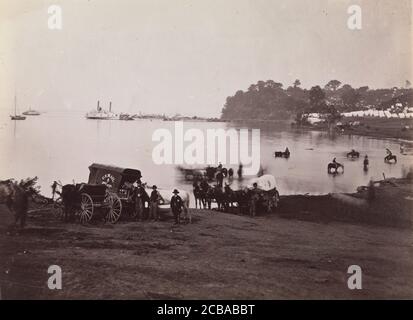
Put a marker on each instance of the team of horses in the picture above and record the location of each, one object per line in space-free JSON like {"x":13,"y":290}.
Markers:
{"x":225,"y":198}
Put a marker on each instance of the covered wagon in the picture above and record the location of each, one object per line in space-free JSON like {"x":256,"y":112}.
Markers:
{"x":109,"y":188}
{"x":267,"y":194}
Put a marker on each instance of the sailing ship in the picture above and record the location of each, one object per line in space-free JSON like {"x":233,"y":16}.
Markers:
{"x":101,"y":114}
{"x":16,"y":116}
{"x":31,"y":112}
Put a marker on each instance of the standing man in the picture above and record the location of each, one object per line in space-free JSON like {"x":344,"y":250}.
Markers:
{"x":239,"y":172}
{"x":139,"y":201}
{"x":366,"y":162}
{"x":220,"y":178}
{"x":176,"y":206}
{"x":254,"y":199}
{"x":230,"y":173}
{"x":154,"y":200}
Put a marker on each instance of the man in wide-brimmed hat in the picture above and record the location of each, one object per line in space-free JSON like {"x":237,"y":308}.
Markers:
{"x":154,"y":200}
{"x":176,"y":206}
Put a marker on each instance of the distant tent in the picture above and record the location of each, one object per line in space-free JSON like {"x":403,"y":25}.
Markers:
{"x":381,"y":114}
{"x":387,"y":114}
{"x":402,"y":115}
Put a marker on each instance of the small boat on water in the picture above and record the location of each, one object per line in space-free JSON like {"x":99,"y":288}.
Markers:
{"x":31,"y":112}
{"x":16,"y":116}
{"x":100,"y":114}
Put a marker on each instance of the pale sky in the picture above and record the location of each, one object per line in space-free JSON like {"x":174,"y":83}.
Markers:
{"x":169,"y":56}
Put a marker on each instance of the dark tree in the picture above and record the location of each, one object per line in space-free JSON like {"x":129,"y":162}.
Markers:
{"x":350,"y":99}
{"x":297,"y":83}
{"x":317,"y":99}
{"x":332,"y":85}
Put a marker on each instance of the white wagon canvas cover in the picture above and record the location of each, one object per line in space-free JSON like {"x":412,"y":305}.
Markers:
{"x":265,"y":182}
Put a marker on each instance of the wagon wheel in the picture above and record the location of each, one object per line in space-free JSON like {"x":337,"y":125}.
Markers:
{"x":115,"y":208}
{"x":86,"y":208}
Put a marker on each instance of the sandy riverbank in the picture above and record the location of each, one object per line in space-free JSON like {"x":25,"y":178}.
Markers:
{"x":300,"y":253}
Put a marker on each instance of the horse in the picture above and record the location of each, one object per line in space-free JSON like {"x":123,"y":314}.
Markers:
{"x":219,"y":196}
{"x":335,"y":166}
{"x":353,"y":154}
{"x":390,"y":157}
{"x":16,"y":197}
{"x":198,"y":194}
{"x":69,"y":195}
{"x":214,"y":193}
{"x":204,"y":186}
{"x":234,"y":196}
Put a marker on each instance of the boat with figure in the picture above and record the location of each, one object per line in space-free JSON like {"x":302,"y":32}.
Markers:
{"x":101,"y":114}
{"x":31,"y":112}
{"x":16,"y":116}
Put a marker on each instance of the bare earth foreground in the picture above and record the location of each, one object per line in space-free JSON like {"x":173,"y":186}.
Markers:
{"x":217,"y":256}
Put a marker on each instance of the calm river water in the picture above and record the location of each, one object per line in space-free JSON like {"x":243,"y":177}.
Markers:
{"x":61,"y":146}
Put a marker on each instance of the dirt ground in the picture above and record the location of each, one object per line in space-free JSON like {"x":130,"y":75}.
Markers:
{"x":218,"y":256}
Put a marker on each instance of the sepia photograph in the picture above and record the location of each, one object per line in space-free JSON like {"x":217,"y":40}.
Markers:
{"x":178,"y":150}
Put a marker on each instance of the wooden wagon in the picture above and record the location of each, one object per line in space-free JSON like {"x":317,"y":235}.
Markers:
{"x":109,"y":188}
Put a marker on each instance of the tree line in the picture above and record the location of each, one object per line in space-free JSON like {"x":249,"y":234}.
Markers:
{"x":270,"y":100}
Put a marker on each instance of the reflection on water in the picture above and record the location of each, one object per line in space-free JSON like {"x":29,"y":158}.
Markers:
{"x":62,"y":146}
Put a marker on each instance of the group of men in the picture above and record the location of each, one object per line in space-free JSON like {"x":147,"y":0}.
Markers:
{"x":155,"y":199}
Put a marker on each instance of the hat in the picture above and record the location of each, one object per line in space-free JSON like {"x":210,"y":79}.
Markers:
{"x":154,"y":187}
{"x":175,"y":191}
